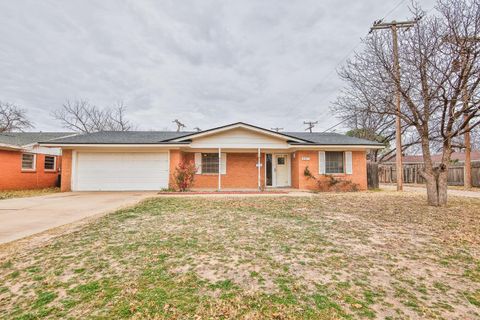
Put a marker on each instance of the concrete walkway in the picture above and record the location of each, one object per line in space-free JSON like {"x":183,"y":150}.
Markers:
{"x":22,"y":217}
{"x":451,"y":192}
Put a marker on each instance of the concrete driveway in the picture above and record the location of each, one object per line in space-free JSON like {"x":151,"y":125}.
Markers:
{"x":22,"y":217}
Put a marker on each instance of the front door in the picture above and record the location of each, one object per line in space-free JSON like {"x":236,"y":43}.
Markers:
{"x":281,"y":170}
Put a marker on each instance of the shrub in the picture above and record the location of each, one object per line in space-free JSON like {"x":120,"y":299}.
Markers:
{"x":332,"y":183}
{"x":307,"y":173}
{"x":184,"y":175}
{"x":336,"y":185}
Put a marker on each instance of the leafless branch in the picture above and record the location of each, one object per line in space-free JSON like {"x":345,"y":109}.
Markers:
{"x":13,"y":118}
{"x":82,"y":116}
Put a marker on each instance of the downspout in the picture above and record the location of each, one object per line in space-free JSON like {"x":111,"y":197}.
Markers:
{"x":259,"y":164}
{"x":219,"y":169}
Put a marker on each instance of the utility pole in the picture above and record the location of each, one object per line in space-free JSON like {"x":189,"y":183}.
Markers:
{"x":179,"y":125}
{"x":310,"y":125}
{"x":393,"y":26}
{"x":276,"y":129}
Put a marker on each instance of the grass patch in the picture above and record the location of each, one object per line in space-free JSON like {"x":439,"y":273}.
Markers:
{"x":329,"y":256}
{"x":26,"y":193}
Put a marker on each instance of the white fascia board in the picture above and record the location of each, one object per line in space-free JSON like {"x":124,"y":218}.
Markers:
{"x":230,"y":149}
{"x":5,"y":146}
{"x":247,"y":127}
{"x":336,"y":147}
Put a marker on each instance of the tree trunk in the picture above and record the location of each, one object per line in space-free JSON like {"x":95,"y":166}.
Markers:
{"x":436,"y":181}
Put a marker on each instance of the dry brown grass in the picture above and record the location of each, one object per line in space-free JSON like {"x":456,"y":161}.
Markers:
{"x":355,"y":255}
{"x":8,"y":194}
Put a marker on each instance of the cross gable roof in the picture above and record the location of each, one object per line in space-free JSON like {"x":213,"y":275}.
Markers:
{"x":242,"y":125}
{"x":185,"y":138}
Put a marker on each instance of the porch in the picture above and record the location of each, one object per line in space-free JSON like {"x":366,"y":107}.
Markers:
{"x":238,"y":170}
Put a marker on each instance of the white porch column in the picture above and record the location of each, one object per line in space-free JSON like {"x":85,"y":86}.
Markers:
{"x":219,"y":169}
{"x":259,"y":164}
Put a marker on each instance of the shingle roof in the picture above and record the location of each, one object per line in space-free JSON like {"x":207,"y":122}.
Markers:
{"x":154,"y":137}
{"x":121,"y":137}
{"x":25,"y":138}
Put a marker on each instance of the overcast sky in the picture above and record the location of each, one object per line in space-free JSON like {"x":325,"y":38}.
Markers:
{"x":266,"y":62}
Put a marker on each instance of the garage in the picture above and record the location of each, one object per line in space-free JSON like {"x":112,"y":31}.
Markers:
{"x":120,"y":171}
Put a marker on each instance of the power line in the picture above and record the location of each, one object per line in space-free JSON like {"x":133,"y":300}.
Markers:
{"x":336,"y":125}
{"x":378,"y":21}
{"x":394,"y":8}
{"x":327,"y":76}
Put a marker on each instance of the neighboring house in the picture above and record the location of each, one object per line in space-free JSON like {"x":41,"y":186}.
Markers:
{"x":235,"y":156}
{"x":26,"y":165}
{"x":458,"y":157}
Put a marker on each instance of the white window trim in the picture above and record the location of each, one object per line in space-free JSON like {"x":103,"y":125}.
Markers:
{"x":222,"y":165}
{"x":322,"y":165}
{"x":34,"y":162}
{"x":348,"y":159}
{"x":54,"y":163}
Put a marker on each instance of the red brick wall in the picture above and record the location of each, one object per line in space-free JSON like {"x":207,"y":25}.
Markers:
{"x":358,"y":176}
{"x":175,"y":158}
{"x":66,"y":170}
{"x":13,"y":178}
{"x":242,"y":171}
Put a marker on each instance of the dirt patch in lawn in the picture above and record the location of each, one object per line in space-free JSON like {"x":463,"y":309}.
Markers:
{"x":329,"y":256}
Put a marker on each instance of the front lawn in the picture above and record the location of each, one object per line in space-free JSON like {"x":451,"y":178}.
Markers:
{"x":330,"y":256}
{"x":26,"y":193}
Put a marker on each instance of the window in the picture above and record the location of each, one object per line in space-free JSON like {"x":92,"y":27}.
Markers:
{"x":209,"y":162}
{"x":281,"y":161}
{"x":28,"y":161}
{"x":49,"y":163}
{"x":334,"y":162}
{"x":268,"y":159}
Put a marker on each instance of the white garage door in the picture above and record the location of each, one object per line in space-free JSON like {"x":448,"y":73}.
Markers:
{"x":117,"y":171}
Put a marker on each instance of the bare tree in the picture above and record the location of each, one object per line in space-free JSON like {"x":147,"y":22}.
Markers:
{"x":432,"y":82}
{"x":85,"y":117}
{"x":179,"y":125}
{"x":360,"y":107}
{"x":13,"y":118}
{"x":475,"y":138}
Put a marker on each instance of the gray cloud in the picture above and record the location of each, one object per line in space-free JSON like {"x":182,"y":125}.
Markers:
{"x":207,"y":62}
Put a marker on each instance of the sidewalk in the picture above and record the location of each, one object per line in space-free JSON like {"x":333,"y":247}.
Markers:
{"x":420,"y":188}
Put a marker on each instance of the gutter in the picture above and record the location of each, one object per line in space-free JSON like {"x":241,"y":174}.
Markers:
{"x":4,"y":146}
{"x":120,"y":145}
{"x":337,"y":146}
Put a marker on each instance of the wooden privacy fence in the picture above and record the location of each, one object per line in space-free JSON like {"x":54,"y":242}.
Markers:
{"x":387,"y":173}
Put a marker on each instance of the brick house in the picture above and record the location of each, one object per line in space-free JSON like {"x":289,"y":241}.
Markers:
{"x":235,"y":156}
{"x":26,"y":165}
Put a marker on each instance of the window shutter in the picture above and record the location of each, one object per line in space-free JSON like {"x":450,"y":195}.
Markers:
{"x":321,"y":162}
{"x":224,"y":163}
{"x":348,"y":162}
{"x":198,"y":162}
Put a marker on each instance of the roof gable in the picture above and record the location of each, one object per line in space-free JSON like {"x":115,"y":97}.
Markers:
{"x":240,"y":125}
{"x":239,"y":138}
